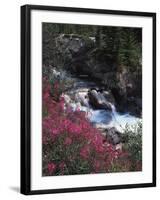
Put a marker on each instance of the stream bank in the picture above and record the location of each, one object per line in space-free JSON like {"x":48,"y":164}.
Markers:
{"x":100,"y":109}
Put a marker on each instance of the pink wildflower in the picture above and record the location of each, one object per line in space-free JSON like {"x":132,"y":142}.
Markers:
{"x":84,"y":152}
{"x":97,"y":165}
{"x":51,"y":168}
{"x":55,"y":131}
{"x":68,"y":141}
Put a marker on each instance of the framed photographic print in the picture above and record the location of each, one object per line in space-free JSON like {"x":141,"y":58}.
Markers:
{"x":88,"y":99}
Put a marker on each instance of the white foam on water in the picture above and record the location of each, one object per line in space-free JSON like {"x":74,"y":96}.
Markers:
{"x":119,"y":121}
{"x":101,"y":118}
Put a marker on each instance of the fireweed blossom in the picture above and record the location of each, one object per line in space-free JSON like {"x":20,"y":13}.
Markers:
{"x":51,"y":168}
{"x":70,"y":140}
{"x":84,"y":152}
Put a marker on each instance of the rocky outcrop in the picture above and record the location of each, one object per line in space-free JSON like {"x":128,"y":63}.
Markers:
{"x":81,"y":56}
{"x":72,"y":50}
{"x":66,"y":50}
{"x":128,"y":92}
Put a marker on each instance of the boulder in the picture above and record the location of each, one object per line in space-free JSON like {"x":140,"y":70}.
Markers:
{"x":98,"y":101}
{"x":113,"y":135}
{"x":108,"y":96}
{"x":82,"y":98}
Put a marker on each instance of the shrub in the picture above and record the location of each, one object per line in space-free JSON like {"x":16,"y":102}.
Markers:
{"x":71,"y":145}
{"x":59,"y":80}
{"x":131,"y":158}
{"x":133,"y":138}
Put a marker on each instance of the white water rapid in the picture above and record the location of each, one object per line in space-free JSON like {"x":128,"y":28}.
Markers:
{"x":101,"y":118}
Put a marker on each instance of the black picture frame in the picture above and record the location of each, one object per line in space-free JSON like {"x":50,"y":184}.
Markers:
{"x":26,"y":98}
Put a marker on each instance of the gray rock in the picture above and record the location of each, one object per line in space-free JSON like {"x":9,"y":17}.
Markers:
{"x":98,"y":101}
{"x":113,"y":135}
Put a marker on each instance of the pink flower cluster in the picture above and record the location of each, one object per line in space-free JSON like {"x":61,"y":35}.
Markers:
{"x":51,"y":167}
{"x":68,"y":135}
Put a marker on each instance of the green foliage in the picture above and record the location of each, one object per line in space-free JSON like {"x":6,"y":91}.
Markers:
{"x":110,"y":80}
{"x":120,"y":48}
{"x":133,"y":141}
{"x":57,"y":28}
{"x":131,"y":158}
{"x":122,"y":45}
{"x":60,"y":82}
{"x":69,"y":154}
{"x":88,"y":42}
{"x":129,"y":51}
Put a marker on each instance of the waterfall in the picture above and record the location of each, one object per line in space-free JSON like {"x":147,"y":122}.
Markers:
{"x":120,"y":121}
{"x":101,"y":118}
{"x":115,"y":117}
{"x":113,"y":108}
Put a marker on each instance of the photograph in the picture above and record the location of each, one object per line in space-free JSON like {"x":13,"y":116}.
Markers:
{"x":91,"y":99}
{"x":88,"y":99}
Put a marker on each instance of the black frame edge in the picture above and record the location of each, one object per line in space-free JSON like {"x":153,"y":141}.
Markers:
{"x":89,"y":10}
{"x":154,"y":98}
{"x":89,"y":189}
{"x":26,"y":102}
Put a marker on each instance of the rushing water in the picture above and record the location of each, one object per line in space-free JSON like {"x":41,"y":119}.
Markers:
{"x":100,"y":118}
